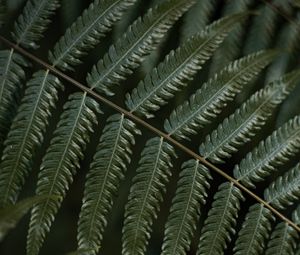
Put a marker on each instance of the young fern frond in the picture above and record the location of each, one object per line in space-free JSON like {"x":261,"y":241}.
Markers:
{"x":146,"y":195}
{"x":12,"y":76}
{"x":140,"y":39}
{"x":185,"y":211}
{"x":33,"y":22}
{"x":26,"y":134}
{"x":86,"y":32}
{"x":221,"y":220}
{"x":255,"y":231}
{"x":213,"y":96}
{"x":103,"y":180}
{"x":197,"y":18}
{"x":270,"y":153}
{"x":238,"y":128}
{"x":60,"y":163}
{"x":285,"y":190}
{"x":283,"y":240}
{"x":178,"y":68}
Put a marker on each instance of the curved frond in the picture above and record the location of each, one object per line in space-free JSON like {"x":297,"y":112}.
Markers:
{"x":146,"y":194}
{"x":178,"y":68}
{"x":220,"y":223}
{"x":197,"y":18}
{"x":213,"y":96}
{"x":33,"y":22}
{"x":60,"y":164}
{"x":12,"y":76}
{"x":103,"y":180}
{"x":283,"y":240}
{"x":12,"y":214}
{"x":255,"y":231}
{"x":285,"y":190}
{"x":27,"y":134}
{"x":87,"y":31}
{"x":185,"y":211}
{"x":140,"y":39}
{"x":270,"y":153}
{"x":244,"y":123}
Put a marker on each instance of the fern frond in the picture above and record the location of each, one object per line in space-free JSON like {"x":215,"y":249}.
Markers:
{"x":238,"y":128}
{"x":26,"y":134}
{"x":283,"y":240}
{"x":255,"y":231}
{"x":12,"y":76}
{"x":12,"y":214}
{"x":140,"y":39}
{"x":270,"y":153}
{"x":285,"y":190}
{"x":87,"y":31}
{"x":221,"y":220}
{"x":60,"y":163}
{"x":33,"y":22}
{"x":231,"y":47}
{"x":208,"y":101}
{"x":185,"y":210}
{"x":103,"y":180}
{"x":178,"y":68}
{"x":197,"y":18}
{"x":146,"y":194}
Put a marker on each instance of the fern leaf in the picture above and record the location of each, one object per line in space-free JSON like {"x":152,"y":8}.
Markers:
{"x":283,"y":240}
{"x":103,"y":180}
{"x":185,"y":210}
{"x":238,"y":128}
{"x":12,"y":76}
{"x":208,"y":101}
{"x":274,"y":151}
{"x":285,"y":190}
{"x":26,"y":134}
{"x":60,"y":163}
{"x":232,"y":45}
{"x":198,"y":17}
{"x":221,"y":220}
{"x":33,"y":22}
{"x":140,"y":39}
{"x":178,"y":68}
{"x":87,"y":31}
{"x":255,"y":231}
{"x":146,"y":194}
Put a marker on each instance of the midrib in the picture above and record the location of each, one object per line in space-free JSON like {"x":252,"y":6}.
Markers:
{"x":4,"y":76}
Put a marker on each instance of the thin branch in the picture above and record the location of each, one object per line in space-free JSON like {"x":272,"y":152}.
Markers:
{"x":151,"y":128}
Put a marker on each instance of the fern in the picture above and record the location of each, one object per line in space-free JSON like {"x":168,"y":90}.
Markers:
{"x":86,"y":32}
{"x":209,"y":100}
{"x":60,"y":163}
{"x":146,"y":194}
{"x":139,"y":40}
{"x":185,"y":210}
{"x":103,"y":180}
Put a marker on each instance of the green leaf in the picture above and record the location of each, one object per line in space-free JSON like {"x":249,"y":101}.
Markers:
{"x":269,"y":154}
{"x":27,"y":134}
{"x":255,"y":231}
{"x":213,"y":96}
{"x":246,"y":121}
{"x":103,"y":180}
{"x":12,"y":76}
{"x":285,"y":190}
{"x":60,"y":163}
{"x":33,"y":22}
{"x":130,"y":50}
{"x":178,"y":68}
{"x":146,"y":195}
{"x":185,"y":211}
{"x":221,"y":220}
{"x":86,"y":32}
